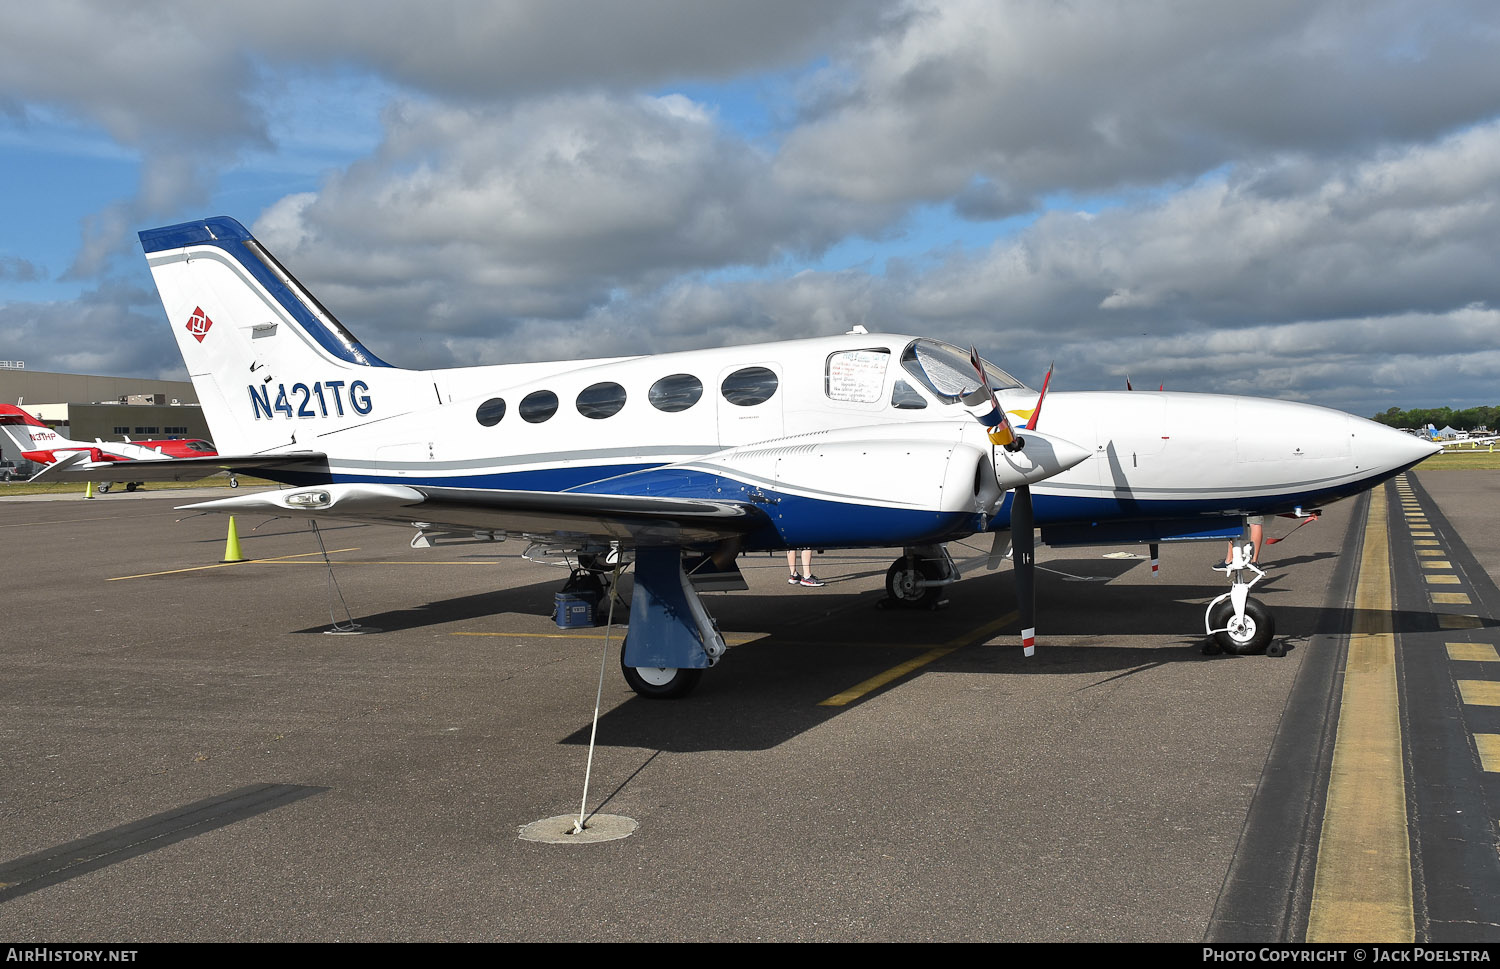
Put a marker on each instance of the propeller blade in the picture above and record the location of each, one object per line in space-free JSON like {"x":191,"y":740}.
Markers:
{"x":1037,"y":413}
{"x":999,"y":548}
{"x":1000,"y":430}
{"x":1023,"y":544}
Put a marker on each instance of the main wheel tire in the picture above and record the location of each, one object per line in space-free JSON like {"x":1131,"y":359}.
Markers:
{"x":104,"y":487}
{"x":132,"y":485}
{"x":1251,"y":637}
{"x":659,"y":683}
{"x":901,"y":583}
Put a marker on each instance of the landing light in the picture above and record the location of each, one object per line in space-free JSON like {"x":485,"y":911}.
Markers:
{"x":310,"y":499}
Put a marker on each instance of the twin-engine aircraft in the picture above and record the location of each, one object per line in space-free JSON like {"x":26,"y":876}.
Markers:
{"x":680,"y":461}
{"x":40,"y":443}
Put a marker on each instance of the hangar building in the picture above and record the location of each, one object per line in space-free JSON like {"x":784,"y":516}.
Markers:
{"x":85,"y":407}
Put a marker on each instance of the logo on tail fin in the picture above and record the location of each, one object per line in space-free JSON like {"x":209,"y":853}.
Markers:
{"x":198,"y":324}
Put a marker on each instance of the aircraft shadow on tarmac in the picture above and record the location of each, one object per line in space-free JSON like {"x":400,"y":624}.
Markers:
{"x":820,"y":643}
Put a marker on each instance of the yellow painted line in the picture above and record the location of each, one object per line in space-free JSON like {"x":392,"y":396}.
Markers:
{"x":1450,"y":598}
{"x":1422,"y":535}
{"x":1362,"y":888}
{"x":1426,"y":541}
{"x":1488,"y":745}
{"x":346,"y":562}
{"x":1442,"y":580}
{"x":1480,"y":693}
{"x":225,"y":565}
{"x":1472,"y":652}
{"x":1429,"y":551}
{"x":1458,"y":622}
{"x":912,"y":665}
{"x":1438,"y":564}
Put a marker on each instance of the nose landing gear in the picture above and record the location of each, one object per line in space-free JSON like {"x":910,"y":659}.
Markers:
{"x":1235,"y":622}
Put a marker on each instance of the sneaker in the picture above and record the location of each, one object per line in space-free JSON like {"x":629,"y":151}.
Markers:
{"x":812,"y":582}
{"x":1220,"y":566}
{"x":793,"y":579}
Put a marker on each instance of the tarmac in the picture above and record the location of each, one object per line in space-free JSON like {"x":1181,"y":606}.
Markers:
{"x":188,"y":757}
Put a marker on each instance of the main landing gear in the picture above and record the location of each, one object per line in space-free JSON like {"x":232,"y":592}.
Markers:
{"x":919,"y":579}
{"x":672,"y":638}
{"x":1237,"y":623}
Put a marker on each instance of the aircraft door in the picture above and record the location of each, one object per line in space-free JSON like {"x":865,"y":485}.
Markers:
{"x":750,"y":404}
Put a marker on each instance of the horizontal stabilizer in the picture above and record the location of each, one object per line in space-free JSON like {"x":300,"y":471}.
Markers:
{"x":75,"y":468}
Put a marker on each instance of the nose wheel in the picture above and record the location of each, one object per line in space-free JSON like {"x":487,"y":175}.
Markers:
{"x":1243,"y":635}
{"x":1236,"y":623}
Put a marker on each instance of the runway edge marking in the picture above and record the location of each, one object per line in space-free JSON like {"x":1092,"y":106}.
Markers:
{"x":1362,"y":887}
{"x":1266,"y":890}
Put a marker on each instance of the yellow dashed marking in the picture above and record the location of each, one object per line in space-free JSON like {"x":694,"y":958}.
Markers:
{"x":1429,"y":551}
{"x":1451,"y":598}
{"x":1488,"y":745}
{"x":1458,"y":622}
{"x":1479,"y":693}
{"x":1438,"y":564}
{"x":1427,"y":541}
{"x":1442,"y":580}
{"x":1472,"y":652}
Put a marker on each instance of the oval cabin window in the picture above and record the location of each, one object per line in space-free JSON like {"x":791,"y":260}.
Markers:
{"x":601,"y":400}
{"x":676,"y":393}
{"x":538,"y":405}
{"x":750,"y":386}
{"x":490,"y":412}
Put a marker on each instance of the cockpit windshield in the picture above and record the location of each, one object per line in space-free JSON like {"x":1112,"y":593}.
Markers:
{"x":946,"y":371}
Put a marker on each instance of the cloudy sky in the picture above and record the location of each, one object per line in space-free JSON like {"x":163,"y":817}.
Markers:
{"x":1287,"y":198}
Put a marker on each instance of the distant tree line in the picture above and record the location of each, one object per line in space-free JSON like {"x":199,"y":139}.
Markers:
{"x":1439,"y":417}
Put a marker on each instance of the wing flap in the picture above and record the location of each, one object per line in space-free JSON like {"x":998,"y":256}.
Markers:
{"x":563,"y":517}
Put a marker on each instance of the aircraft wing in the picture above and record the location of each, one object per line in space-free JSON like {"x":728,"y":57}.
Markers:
{"x":563,"y":517}
{"x":75,"y":468}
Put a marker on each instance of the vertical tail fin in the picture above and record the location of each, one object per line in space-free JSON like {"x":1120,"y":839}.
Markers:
{"x":26,"y":432}
{"x":271,"y":366}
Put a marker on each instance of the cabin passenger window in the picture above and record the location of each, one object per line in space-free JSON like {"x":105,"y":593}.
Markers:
{"x":675,"y":393}
{"x":750,"y":386}
{"x":490,"y":412}
{"x":538,"y":405}
{"x":856,"y":376}
{"x":601,"y":400}
{"x":906,"y":397}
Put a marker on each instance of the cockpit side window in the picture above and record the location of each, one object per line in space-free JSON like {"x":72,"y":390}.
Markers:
{"x":906,"y":397}
{"x":856,"y":376}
